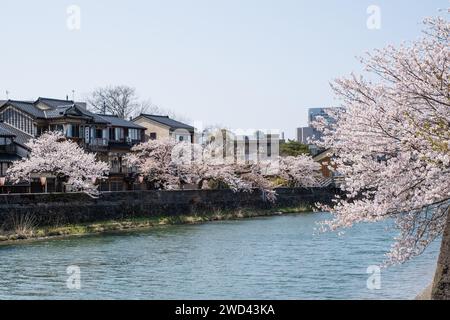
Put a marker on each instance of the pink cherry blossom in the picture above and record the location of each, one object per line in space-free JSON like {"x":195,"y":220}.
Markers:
{"x":391,"y":141}
{"x":52,"y":154}
{"x":169,"y":165}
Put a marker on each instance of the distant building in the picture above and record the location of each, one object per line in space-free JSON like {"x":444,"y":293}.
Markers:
{"x":256,"y":147}
{"x":246,"y":147}
{"x":313,"y":113}
{"x":282,"y":138}
{"x":162,"y":127}
{"x":306,"y":134}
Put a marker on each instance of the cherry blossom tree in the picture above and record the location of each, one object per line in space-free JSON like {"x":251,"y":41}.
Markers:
{"x":153,"y":159}
{"x":300,"y":171}
{"x":255,"y":177}
{"x":202,"y":164}
{"x":52,"y":154}
{"x":169,"y":165}
{"x":391,"y":141}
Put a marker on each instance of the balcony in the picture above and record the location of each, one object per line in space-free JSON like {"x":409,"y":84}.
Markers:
{"x":98,"y":144}
{"x":123,"y":143}
{"x":103,"y":144}
{"x":8,"y":149}
{"x":116,"y":169}
{"x":119,"y":143}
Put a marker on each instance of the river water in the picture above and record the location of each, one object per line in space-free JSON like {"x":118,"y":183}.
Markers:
{"x":279,"y":257}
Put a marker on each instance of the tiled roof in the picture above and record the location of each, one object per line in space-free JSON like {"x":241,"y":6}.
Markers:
{"x":4,"y":132}
{"x":119,"y":122}
{"x":165,"y":120}
{"x":59,"y":108}
{"x":27,"y":107}
{"x":96,"y":117}
{"x":82,"y":105}
{"x":21,"y":137}
{"x":55,"y":113}
{"x":54,"y":103}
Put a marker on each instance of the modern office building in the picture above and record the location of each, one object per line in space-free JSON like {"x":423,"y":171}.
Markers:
{"x":307,"y":135}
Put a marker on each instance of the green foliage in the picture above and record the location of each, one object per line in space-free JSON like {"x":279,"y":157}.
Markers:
{"x":279,"y":182}
{"x":293,"y":148}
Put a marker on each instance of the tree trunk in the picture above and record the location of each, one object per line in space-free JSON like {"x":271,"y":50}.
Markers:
{"x":441,"y":284}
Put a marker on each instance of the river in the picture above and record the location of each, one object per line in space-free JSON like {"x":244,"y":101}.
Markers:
{"x":279,"y":257}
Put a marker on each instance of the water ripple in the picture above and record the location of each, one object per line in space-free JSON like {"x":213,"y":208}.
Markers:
{"x":267,"y":258}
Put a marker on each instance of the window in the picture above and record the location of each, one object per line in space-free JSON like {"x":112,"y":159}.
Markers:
{"x":112,"y":135}
{"x":182,"y":137}
{"x":5,"y":141}
{"x":69,"y":131}
{"x":133,"y":134}
{"x":3,"y":167}
{"x":41,"y":130}
{"x":57,"y":127}
{"x":116,"y":164}
{"x":153,"y":136}
{"x":75,"y":130}
{"x":118,"y":134}
{"x":18,"y":120}
{"x":99,"y":133}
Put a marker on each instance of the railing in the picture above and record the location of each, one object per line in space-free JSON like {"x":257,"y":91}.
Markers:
{"x":103,"y":143}
{"x":123,"y":143}
{"x":325,"y":182}
{"x":98,"y":144}
{"x":118,"y":169}
{"x":119,"y":143}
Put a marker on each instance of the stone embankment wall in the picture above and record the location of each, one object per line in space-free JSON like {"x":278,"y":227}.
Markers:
{"x":69,"y":208}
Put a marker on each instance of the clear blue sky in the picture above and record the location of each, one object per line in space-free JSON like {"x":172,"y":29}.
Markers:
{"x":242,"y":63}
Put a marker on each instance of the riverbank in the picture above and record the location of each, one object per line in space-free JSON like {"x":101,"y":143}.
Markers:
{"x":26,"y":230}
{"x":425,"y":294}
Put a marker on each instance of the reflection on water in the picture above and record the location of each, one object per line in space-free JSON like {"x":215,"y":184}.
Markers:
{"x":267,"y":258}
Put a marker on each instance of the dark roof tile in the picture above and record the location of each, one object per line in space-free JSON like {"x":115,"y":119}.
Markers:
{"x":119,"y":122}
{"x":54,"y":103}
{"x":4,"y":132}
{"x":27,"y":107}
{"x":165,"y":120}
{"x":58,"y":108}
{"x":21,"y":137}
{"x":55,"y":113}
